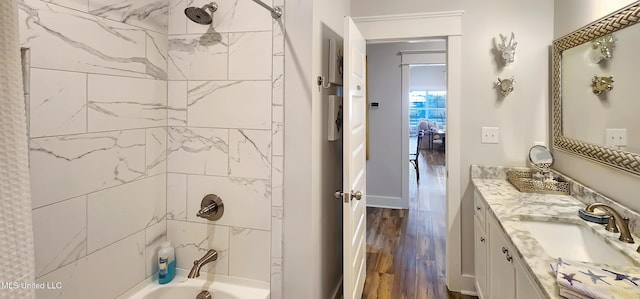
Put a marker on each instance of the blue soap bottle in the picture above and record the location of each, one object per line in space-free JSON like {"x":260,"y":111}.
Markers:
{"x":166,"y":263}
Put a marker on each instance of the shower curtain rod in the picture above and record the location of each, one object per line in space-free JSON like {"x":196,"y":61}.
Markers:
{"x":276,"y":12}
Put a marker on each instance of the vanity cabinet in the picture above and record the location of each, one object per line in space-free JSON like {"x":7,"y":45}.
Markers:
{"x":480,"y":248}
{"x":480,"y":259}
{"x":500,"y":274}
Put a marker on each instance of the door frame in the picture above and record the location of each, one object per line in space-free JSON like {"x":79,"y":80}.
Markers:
{"x":433,"y":25}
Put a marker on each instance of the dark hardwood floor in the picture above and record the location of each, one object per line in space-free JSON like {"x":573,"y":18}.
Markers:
{"x":406,"y":248}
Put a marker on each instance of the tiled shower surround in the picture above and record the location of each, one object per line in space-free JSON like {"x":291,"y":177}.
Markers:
{"x":135,"y":114}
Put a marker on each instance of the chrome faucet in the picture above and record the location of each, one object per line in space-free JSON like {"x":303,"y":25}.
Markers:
{"x":616,"y":221}
{"x":208,"y":257}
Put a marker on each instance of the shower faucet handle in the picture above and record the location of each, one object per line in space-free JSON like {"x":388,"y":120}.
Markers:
{"x":211,"y":207}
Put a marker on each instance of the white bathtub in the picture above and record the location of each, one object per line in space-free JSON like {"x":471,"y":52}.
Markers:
{"x":220,"y":287}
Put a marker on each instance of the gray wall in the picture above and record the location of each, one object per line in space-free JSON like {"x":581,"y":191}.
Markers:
{"x":384,"y":167}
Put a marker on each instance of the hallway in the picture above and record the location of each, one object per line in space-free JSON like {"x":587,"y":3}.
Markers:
{"x":406,"y":248}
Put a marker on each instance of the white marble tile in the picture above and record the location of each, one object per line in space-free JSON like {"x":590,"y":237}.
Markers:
{"x":177,"y":109}
{"x":198,"y":151}
{"x":278,"y":36}
{"x":155,"y":235}
{"x":276,"y":278}
{"x":81,"y":5}
{"x":276,"y":231}
{"x":176,"y":196}
{"x":277,"y":130}
{"x":158,"y":52}
{"x":82,"y":42}
{"x":69,"y":166}
{"x":198,"y":57}
{"x":193,"y":240}
{"x":149,"y":14}
{"x":277,"y":178}
{"x":100,"y":274}
{"x":249,"y":253}
{"x":120,"y":211}
{"x":135,"y":103}
{"x":233,"y":16}
{"x":230,"y":104}
{"x":278,"y":80}
{"x":250,"y":154}
{"x":58,"y":103}
{"x":177,"y":19}
{"x":60,"y":234}
{"x":156,"y":151}
{"x":247,"y":202}
{"x":250,"y":55}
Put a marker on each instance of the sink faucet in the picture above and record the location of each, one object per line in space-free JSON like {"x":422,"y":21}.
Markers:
{"x":208,"y":257}
{"x":620,"y":222}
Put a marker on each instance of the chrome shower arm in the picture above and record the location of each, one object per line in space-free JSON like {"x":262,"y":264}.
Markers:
{"x":276,"y":12}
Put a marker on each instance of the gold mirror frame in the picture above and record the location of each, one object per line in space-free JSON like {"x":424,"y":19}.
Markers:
{"x":623,"y":160}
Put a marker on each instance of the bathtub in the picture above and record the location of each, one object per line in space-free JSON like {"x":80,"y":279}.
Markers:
{"x":220,"y":287}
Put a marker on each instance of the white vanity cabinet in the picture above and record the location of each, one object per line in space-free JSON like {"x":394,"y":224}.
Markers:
{"x":500,"y":274}
{"x":480,"y":248}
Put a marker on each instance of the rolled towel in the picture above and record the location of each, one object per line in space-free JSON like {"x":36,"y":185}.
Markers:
{"x":580,"y":280}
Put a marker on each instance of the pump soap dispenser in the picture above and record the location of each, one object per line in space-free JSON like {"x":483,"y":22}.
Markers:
{"x":166,"y":263}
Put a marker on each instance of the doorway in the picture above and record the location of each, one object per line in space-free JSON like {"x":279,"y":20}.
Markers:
{"x":448,"y":26}
{"x":406,"y":247}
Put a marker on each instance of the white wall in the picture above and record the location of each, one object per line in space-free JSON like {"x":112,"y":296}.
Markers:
{"x":313,"y":230}
{"x":428,"y":77}
{"x":618,"y":185}
{"x":572,"y":15}
{"x":384,"y":167}
{"x":532,"y":24}
{"x":98,"y":97}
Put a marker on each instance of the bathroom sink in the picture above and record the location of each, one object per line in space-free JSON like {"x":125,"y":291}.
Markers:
{"x":575,"y":242}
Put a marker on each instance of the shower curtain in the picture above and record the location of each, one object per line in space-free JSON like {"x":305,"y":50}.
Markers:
{"x":16,"y":234}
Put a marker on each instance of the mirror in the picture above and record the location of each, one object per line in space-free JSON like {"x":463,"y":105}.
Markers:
{"x":594,"y":91}
{"x":540,"y":157}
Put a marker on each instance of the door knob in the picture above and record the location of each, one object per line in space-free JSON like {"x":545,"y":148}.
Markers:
{"x":339,"y":194}
{"x":357,"y":195}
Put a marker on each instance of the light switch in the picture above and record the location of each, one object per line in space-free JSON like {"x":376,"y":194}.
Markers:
{"x":490,"y":135}
{"x":616,"y":137}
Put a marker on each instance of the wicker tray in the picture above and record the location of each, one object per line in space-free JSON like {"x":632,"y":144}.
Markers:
{"x":523,"y":181}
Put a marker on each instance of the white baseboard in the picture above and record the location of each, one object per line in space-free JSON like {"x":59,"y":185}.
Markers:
{"x":386,"y":202}
{"x":337,"y":294}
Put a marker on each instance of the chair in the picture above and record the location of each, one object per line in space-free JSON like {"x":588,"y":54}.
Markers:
{"x":413,"y":158}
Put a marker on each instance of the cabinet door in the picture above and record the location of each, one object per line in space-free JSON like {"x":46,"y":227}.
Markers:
{"x":502,"y":279}
{"x":480,"y":249}
{"x":526,"y":287}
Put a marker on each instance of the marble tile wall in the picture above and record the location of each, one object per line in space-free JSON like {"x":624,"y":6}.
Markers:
{"x":225,"y":136}
{"x":135,"y":114}
{"x":98,"y":141}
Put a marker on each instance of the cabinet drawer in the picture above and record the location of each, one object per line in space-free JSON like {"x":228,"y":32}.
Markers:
{"x":480,"y":208}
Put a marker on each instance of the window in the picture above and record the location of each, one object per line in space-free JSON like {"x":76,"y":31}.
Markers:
{"x":427,"y":105}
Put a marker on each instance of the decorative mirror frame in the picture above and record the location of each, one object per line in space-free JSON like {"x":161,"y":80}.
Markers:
{"x":623,"y":160}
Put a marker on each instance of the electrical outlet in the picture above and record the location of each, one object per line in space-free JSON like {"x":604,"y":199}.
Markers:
{"x":616,"y":137}
{"x":490,"y":135}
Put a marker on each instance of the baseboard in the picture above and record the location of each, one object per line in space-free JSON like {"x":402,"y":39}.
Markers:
{"x":337,"y":292}
{"x":386,"y":202}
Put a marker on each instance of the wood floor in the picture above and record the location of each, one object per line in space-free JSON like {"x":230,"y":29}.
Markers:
{"x":406,"y":248}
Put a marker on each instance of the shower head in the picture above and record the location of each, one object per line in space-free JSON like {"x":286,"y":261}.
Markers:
{"x":200,"y":15}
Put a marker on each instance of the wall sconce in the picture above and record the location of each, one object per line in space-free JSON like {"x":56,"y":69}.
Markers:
{"x":601,"y":84}
{"x":505,"y":86}
{"x":508,"y":49}
{"x":603,"y":48}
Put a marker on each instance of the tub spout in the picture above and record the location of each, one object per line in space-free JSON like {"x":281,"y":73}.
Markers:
{"x":208,"y":257}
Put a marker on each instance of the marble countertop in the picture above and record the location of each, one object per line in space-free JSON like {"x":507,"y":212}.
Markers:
{"x":510,"y":206}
